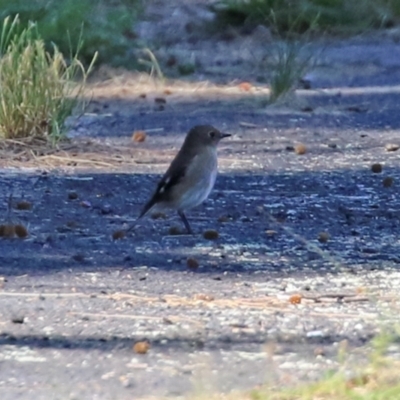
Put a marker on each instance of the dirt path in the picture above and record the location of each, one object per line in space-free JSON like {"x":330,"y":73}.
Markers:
{"x":74,"y":301}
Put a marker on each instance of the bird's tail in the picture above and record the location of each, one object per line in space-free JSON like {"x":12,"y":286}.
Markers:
{"x":148,"y":206}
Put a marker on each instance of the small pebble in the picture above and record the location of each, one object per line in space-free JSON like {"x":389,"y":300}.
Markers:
{"x":387,"y":182}
{"x":392,"y":147}
{"x":211,"y":234}
{"x":376,"y":168}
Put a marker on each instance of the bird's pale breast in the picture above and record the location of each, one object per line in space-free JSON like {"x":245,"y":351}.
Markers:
{"x":199,"y":180}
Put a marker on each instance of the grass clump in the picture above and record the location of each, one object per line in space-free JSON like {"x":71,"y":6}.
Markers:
{"x":103,"y":26}
{"x":38,"y":87}
{"x":290,"y":62}
{"x":378,"y":380}
{"x":336,"y":16}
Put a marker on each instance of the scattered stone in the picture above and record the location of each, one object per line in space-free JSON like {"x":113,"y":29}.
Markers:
{"x":72,"y":196}
{"x":376,"y":168}
{"x":18,"y":319}
{"x":174,"y":230}
{"x":21,"y":231}
{"x":118,"y":235}
{"x":323,"y":237}
{"x":192,"y":263}
{"x":211,"y":234}
{"x":392,"y":147}
{"x":7,"y":231}
{"x":23,"y":205}
{"x":78,"y":257}
{"x":387,"y":181}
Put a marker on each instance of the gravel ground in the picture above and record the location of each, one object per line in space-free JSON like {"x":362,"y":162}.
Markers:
{"x":272,"y":300}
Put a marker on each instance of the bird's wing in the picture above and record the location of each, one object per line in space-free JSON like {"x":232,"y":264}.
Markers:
{"x":175,"y":173}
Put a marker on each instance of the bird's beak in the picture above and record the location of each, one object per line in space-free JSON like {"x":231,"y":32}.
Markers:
{"x":224,"y":135}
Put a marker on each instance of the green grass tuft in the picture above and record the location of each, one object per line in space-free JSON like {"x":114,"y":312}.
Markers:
{"x":38,"y":87}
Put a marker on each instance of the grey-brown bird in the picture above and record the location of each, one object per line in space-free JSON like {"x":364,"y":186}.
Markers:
{"x":191,"y":175}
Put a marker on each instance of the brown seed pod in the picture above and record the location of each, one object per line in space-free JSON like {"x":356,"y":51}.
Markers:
{"x":7,"y":231}
{"x":192,"y":263}
{"x":23,"y":205}
{"x":160,"y":100}
{"x":141,"y":347}
{"x":323,"y":237}
{"x":21,"y":231}
{"x":174,"y":230}
{"x":300,"y":149}
{"x":211,"y":234}
{"x":295,"y":299}
{"x":117,"y":235}
{"x":139,"y":136}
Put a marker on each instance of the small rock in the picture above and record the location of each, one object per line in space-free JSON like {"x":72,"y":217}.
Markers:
{"x":313,"y":334}
{"x":392,"y":147}
{"x":174,"y":230}
{"x":119,"y":234}
{"x":23,"y":205}
{"x":21,"y":231}
{"x":323,"y":237}
{"x":18,"y":319}
{"x":72,"y":196}
{"x":376,"y":168}
{"x":192,"y":263}
{"x":387,"y":181}
{"x":211,"y":234}
{"x":79,"y":257}
{"x":106,"y":209}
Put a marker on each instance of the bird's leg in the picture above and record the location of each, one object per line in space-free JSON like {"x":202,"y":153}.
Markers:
{"x":186,"y":222}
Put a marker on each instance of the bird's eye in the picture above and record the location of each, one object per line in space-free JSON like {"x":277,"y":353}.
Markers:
{"x":211,"y":134}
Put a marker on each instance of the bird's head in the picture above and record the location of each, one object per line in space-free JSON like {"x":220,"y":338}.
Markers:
{"x":205,"y":135}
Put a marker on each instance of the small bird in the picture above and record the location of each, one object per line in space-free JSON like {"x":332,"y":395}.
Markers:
{"x":191,"y":175}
